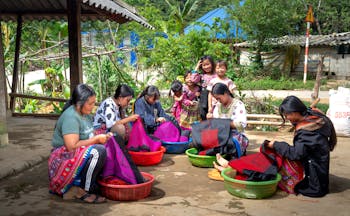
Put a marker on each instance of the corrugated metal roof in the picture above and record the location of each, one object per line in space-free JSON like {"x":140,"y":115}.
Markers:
{"x":210,"y":18}
{"x":115,"y":10}
{"x":314,"y":40}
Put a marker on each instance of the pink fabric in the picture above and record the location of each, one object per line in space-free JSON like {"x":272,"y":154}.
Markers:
{"x":188,"y":95}
{"x":167,"y":132}
{"x":206,"y":79}
{"x":176,"y":110}
{"x":139,"y":140}
{"x":228,"y":82}
{"x":119,"y":164}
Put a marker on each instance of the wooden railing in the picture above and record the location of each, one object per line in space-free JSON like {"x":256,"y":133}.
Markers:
{"x":44,"y":115}
{"x":263,"y":119}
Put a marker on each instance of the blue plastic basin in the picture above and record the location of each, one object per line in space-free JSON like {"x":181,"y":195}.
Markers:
{"x":176,"y":147}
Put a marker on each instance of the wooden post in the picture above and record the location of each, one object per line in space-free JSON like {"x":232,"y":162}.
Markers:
{"x":314,"y":95}
{"x":2,"y":69}
{"x":99,"y":77}
{"x":16,"y":60}
{"x":74,"y":41}
{"x":4,"y":139}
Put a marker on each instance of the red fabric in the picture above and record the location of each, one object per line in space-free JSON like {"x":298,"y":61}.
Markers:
{"x":202,"y":153}
{"x":240,"y":176}
{"x":210,"y":138}
{"x":256,"y":162}
{"x":114,"y":181}
{"x":259,"y":162}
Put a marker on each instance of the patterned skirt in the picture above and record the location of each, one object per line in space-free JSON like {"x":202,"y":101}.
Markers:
{"x":189,"y":115}
{"x":242,"y":139}
{"x":65,"y":167}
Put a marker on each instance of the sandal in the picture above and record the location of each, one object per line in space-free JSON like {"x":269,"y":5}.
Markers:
{"x":97,"y":199}
{"x":70,"y":194}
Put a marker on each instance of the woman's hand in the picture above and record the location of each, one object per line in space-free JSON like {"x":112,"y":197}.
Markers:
{"x":198,"y":94}
{"x":160,"y":119}
{"x":103,"y":138}
{"x":209,"y":115}
{"x":133,"y":118}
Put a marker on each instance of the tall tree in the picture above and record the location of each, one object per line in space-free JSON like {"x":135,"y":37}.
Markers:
{"x":180,"y":10}
{"x":263,"y":19}
{"x":332,"y":15}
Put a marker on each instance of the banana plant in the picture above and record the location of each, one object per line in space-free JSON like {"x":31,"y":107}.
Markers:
{"x":179,"y":11}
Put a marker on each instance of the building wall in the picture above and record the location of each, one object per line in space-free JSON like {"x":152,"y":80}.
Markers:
{"x":335,"y":65}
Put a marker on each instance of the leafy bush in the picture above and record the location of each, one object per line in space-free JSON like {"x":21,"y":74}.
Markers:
{"x":321,"y":106}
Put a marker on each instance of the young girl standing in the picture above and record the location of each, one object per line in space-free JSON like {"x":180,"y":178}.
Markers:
{"x":176,"y":92}
{"x":221,"y":68}
{"x":191,"y":92}
{"x":206,"y":66}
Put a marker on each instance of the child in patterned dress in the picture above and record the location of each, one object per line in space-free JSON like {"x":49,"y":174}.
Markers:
{"x":191,"y":92}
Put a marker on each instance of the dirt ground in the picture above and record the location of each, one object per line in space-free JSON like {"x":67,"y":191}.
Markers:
{"x":182,"y":189}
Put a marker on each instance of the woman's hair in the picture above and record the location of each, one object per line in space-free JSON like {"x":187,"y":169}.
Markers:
{"x":80,"y":95}
{"x":150,"y":91}
{"x":294,"y":104}
{"x":211,"y":60}
{"x":176,"y":86}
{"x":221,"y":89}
{"x":123,"y":90}
{"x":221,"y":63}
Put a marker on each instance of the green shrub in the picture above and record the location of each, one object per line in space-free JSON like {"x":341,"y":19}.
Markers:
{"x":268,"y":83}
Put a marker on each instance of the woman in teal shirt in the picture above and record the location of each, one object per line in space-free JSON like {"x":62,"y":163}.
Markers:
{"x":78,"y":156}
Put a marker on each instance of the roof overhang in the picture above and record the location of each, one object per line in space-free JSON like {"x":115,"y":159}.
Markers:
{"x":335,"y":39}
{"x":115,"y":10}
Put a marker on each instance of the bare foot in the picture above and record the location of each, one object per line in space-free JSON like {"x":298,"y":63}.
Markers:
{"x":221,"y":161}
{"x":218,"y":167}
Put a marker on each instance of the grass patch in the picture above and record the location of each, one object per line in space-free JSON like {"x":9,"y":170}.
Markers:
{"x":281,"y":84}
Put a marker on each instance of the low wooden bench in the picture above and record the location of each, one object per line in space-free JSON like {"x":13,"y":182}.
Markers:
{"x":272,"y":120}
{"x":264,"y":119}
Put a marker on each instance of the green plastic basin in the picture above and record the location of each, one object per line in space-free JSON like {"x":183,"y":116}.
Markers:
{"x":199,"y":160}
{"x":248,"y":189}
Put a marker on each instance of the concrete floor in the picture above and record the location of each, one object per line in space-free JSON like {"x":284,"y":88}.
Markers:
{"x":179,"y":187}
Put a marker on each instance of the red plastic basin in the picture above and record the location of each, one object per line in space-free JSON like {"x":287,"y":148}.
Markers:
{"x":128,"y":192}
{"x":147,"y":158}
